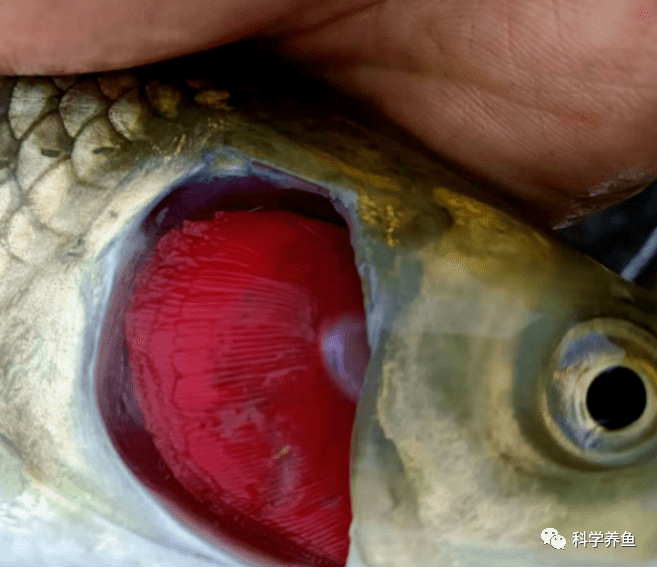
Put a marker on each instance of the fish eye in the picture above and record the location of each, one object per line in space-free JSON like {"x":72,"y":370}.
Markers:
{"x":214,"y":379}
{"x":598,"y":401}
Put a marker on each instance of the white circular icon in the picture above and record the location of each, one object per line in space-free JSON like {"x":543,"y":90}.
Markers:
{"x":547,"y":534}
{"x":558,"y":542}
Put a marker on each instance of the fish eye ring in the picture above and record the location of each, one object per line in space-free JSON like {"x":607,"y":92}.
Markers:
{"x":599,"y":403}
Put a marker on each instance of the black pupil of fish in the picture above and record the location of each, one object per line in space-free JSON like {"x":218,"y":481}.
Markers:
{"x":616,"y":398}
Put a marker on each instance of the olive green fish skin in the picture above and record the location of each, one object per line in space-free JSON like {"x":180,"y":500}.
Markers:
{"x":466,"y":307}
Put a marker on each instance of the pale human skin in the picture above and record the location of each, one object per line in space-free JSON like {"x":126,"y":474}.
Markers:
{"x":553,"y":103}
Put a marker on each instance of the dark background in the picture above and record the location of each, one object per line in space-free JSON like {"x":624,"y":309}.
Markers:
{"x":615,"y":235}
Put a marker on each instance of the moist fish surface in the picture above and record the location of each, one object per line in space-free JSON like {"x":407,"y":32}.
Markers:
{"x":478,"y":426}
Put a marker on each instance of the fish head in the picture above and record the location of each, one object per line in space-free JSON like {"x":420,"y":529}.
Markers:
{"x":513,"y":390}
{"x":474,"y":429}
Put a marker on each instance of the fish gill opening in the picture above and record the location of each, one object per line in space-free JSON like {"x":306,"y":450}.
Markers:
{"x":244,"y":474}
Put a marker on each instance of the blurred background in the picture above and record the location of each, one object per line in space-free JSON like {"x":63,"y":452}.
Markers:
{"x":620,"y":237}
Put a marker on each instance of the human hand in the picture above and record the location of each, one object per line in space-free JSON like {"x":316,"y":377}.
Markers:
{"x":553,"y":104}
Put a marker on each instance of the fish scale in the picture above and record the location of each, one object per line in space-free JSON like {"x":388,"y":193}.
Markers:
{"x":468,"y":309}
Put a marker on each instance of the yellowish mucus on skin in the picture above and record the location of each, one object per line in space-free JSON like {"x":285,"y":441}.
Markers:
{"x":383,"y":183}
{"x":165,"y":98}
{"x":490,"y":227}
{"x":491,"y":245}
{"x":383,"y":215}
{"x":213,"y":98}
